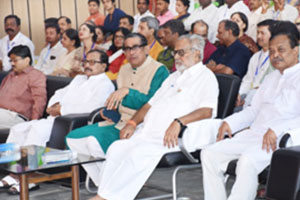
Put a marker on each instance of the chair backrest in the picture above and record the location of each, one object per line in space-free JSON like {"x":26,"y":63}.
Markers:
{"x":229,"y":87}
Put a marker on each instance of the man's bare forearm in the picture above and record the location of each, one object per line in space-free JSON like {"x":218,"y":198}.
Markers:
{"x":199,"y":114}
{"x":138,"y":117}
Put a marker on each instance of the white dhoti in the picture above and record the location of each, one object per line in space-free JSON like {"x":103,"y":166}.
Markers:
{"x":129,"y":163}
{"x":35,"y":132}
{"x":91,"y":147}
{"x":9,"y":118}
{"x":246,"y":146}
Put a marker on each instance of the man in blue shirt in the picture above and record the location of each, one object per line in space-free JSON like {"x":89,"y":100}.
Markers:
{"x":232,"y":57}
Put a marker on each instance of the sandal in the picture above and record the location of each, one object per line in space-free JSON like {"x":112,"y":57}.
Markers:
{"x":9,"y":181}
{"x":15,"y":189}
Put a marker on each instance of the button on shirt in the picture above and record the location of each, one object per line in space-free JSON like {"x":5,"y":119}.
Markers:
{"x":24,"y":93}
{"x":49,"y":57}
{"x":6,"y":45}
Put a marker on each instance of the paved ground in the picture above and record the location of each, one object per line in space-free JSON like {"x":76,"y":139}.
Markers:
{"x":189,"y":184}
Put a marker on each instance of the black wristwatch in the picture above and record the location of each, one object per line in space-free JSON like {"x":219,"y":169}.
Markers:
{"x":182,"y":127}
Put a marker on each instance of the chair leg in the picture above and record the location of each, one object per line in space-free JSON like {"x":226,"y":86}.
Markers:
{"x":87,"y":185}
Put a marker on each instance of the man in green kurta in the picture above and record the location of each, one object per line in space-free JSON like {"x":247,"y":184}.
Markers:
{"x":137,"y":82}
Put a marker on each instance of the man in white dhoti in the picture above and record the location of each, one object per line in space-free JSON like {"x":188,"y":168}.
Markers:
{"x":273,"y":110}
{"x":84,"y":94}
{"x":190,"y":94}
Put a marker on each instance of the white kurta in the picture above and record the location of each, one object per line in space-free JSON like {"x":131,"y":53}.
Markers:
{"x":48,"y":58}
{"x":225,"y":13}
{"x":82,"y":95}
{"x":209,"y":16}
{"x":6,"y":45}
{"x":130,"y":162}
{"x":138,"y":17}
{"x":275,"y":106}
{"x":257,"y":69}
{"x":254,"y":18}
{"x":289,"y":13}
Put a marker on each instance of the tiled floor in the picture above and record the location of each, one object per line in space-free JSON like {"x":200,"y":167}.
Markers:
{"x":189,"y":184}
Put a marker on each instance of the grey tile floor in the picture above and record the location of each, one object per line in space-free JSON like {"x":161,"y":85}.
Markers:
{"x":189,"y":185}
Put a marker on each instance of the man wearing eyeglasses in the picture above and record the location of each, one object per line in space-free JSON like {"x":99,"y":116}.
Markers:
{"x":188,"y":95}
{"x":137,"y":82}
{"x":22,"y":91}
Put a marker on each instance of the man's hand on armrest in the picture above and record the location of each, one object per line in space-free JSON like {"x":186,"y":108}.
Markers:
{"x":269,"y":141}
{"x":54,"y":110}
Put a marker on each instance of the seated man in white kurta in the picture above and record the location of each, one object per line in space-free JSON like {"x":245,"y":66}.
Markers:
{"x":83,"y":95}
{"x":273,"y":110}
{"x":190,"y":94}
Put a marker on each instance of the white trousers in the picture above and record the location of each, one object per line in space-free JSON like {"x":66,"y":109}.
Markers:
{"x":246,"y":146}
{"x":9,"y":118}
{"x":88,"y":146}
{"x":35,"y":132}
{"x":130,"y":162}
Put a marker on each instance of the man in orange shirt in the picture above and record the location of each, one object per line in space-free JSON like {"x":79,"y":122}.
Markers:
{"x":95,"y":15}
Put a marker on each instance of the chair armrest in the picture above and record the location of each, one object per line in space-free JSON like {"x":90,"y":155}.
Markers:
{"x":187,"y":154}
{"x":284,"y":140}
{"x":63,"y":125}
{"x":95,"y":116}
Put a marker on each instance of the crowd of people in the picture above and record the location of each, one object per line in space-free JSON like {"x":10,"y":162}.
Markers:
{"x":163,"y":65}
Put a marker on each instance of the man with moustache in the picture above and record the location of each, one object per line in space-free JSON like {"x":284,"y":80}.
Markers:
{"x":14,"y":37}
{"x":49,"y":55}
{"x":137,"y":82}
{"x":273,"y":110}
{"x":188,"y":95}
{"x":22,"y":91}
{"x":84,"y":94}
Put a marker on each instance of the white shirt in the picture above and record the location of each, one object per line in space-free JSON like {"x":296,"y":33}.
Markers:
{"x":257,"y":67}
{"x":6,"y":45}
{"x":83,"y":94}
{"x":48,"y":58}
{"x":275,"y":105}
{"x":209,"y":16}
{"x":180,"y":94}
{"x":289,"y":13}
{"x":254,"y":18}
{"x":138,"y":17}
{"x":225,"y":13}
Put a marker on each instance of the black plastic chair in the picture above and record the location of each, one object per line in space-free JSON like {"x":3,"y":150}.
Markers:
{"x":228,"y":87}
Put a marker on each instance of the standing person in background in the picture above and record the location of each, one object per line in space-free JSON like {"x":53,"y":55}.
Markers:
{"x":95,"y":15}
{"x":49,"y":55}
{"x":164,"y":14}
{"x":127,"y":21}
{"x":143,"y":8}
{"x":254,"y":17}
{"x":112,"y":20}
{"x":12,"y":26}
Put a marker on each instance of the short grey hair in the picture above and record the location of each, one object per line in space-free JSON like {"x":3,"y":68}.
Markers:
{"x":152,"y":23}
{"x":196,"y":41}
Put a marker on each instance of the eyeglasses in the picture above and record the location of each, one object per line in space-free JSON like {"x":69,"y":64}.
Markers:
{"x":180,"y":52}
{"x":15,"y":60}
{"x":133,"y":48}
{"x":91,"y":62}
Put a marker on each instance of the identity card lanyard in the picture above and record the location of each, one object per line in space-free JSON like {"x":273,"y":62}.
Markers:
{"x":258,"y":67}
{"x":84,"y":55}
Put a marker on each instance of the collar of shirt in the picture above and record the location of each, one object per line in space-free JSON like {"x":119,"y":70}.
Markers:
{"x":25,"y":71}
{"x":145,"y":64}
{"x":190,"y":72}
{"x":233,"y":45}
{"x":291,"y":71}
{"x":167,"y":14}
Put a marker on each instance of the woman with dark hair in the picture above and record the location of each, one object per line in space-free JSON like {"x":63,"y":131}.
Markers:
{"x":115,"y":53}
{"x":101,"y":38}
{"x":88,"y":37}
{"x":182,"y":7}
{"x":71,"y":42}
{"x":242,"y":21}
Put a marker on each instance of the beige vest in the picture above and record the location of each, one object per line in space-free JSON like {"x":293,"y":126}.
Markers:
{"x":140,"y":79}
